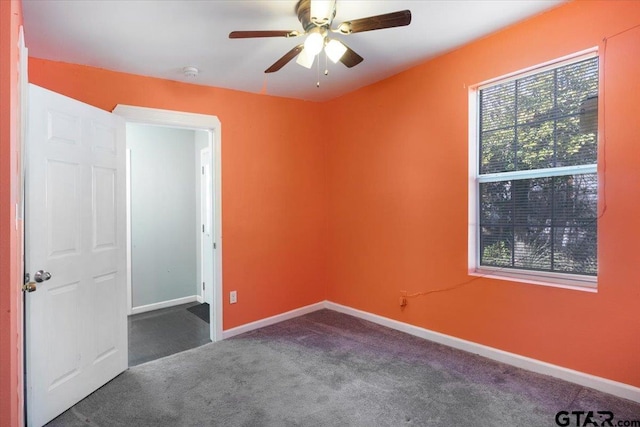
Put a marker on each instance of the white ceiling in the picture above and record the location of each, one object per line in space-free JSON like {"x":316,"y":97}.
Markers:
{"x":159,"y":38}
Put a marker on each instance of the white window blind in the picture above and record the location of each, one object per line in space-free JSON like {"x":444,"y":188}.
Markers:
{"x":537,"y":186}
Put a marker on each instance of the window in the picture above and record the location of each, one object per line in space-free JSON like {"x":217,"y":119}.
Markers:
{"x":535,"y":195}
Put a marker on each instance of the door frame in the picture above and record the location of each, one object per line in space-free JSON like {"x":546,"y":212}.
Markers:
{"x":207,"y":293}
{"x":193,"y":121}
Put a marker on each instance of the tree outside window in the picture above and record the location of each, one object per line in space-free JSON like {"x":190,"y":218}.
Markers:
{"x":537,"y":184}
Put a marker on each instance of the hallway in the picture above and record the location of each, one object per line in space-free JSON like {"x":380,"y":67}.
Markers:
{"x":163,"y":332}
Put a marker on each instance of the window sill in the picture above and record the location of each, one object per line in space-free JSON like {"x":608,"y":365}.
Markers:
{"x":564,"y":281}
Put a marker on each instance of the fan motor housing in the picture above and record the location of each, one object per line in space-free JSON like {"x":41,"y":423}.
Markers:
{"x":303,"y":10}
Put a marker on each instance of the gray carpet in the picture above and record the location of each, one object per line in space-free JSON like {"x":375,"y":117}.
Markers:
{"x":330,"y":369}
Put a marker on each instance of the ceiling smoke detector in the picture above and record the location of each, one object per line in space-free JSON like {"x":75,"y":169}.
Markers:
{"x":190,"y":72}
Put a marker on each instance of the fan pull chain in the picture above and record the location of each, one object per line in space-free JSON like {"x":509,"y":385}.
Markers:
{"x":318,"y":72}
{"x":326,"y":64}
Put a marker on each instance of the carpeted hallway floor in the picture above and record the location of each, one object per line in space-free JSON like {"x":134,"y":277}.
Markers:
{"x":330,"y":369}
{"x":160,"y":333}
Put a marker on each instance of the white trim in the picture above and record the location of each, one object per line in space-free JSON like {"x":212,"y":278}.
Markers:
{"x":556,"y":280}
{"x":153,"y":116}
{"x":215,"y":139}
{"x":539,"y":68}
{"x":199,"y":299}
{"x":615,"y":388}
{"x":473,"y":232}
{"x":23,"y":99}
{"x":207,"y":221}
{"x":128,"y":208}
{"x":163,"y":304}
{"x":273,"y":319}
{"x":538,"y":173}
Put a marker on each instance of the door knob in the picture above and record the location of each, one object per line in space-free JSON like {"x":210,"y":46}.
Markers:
{"x":29,"y":287}
{"x":41,"y":276}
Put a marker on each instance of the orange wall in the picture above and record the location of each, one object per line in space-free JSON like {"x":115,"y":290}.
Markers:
{"x":398,"y":199}
{"x":384,"y":207}
{"x":10,"y":261}
{"x":273,"y":181}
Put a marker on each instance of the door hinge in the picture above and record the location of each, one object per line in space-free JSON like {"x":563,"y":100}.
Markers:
{"x":203,"y":228}
{"x":202,"y":170}
{"x":214,"y":245}
{"x":203,"y":286}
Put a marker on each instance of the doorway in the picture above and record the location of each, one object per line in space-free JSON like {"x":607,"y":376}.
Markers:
{"x":75,"y":325}
{"x":169,"y":231}
{"x":209,"y":224}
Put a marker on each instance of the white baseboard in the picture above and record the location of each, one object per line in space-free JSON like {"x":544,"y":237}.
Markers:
{"x":615,"y":388}
{"x":199,"y":299}
{"x":272,"y":320}
{"x":163,"y":304}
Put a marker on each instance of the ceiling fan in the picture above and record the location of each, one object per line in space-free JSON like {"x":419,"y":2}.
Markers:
{"x":316,"y":17}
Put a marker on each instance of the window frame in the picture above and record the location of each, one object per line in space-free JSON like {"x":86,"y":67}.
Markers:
{"x":555,"y":279}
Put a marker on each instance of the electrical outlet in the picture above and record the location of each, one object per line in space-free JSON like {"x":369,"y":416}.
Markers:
{"x":403,"y":299}
{"x":233,"y":297}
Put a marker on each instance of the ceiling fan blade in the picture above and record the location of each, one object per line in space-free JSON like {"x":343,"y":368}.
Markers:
{"x":303,"y":9}
{"x":378,"y":22}
{"x":285,"y":59}
{"x":268,"y":33}
{"x":350,"y":58}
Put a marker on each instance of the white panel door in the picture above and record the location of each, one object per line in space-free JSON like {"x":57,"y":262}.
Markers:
{"x":76,"y":324}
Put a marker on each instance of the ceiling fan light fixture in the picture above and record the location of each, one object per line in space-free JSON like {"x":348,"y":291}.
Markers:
{"x":322,"y":11}
{"x":316,"y":17}
{"x":334,"y":50}
{"x":314,"y":43}
{"x":305,"y":59}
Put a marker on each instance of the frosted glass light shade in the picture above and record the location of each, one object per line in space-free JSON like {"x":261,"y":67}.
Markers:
{"x":313,"y":44}
{"x":305,"y":59}
{"x":334,"y":50}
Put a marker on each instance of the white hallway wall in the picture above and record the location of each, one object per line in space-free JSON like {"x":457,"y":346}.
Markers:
{"x":164,"y":214}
